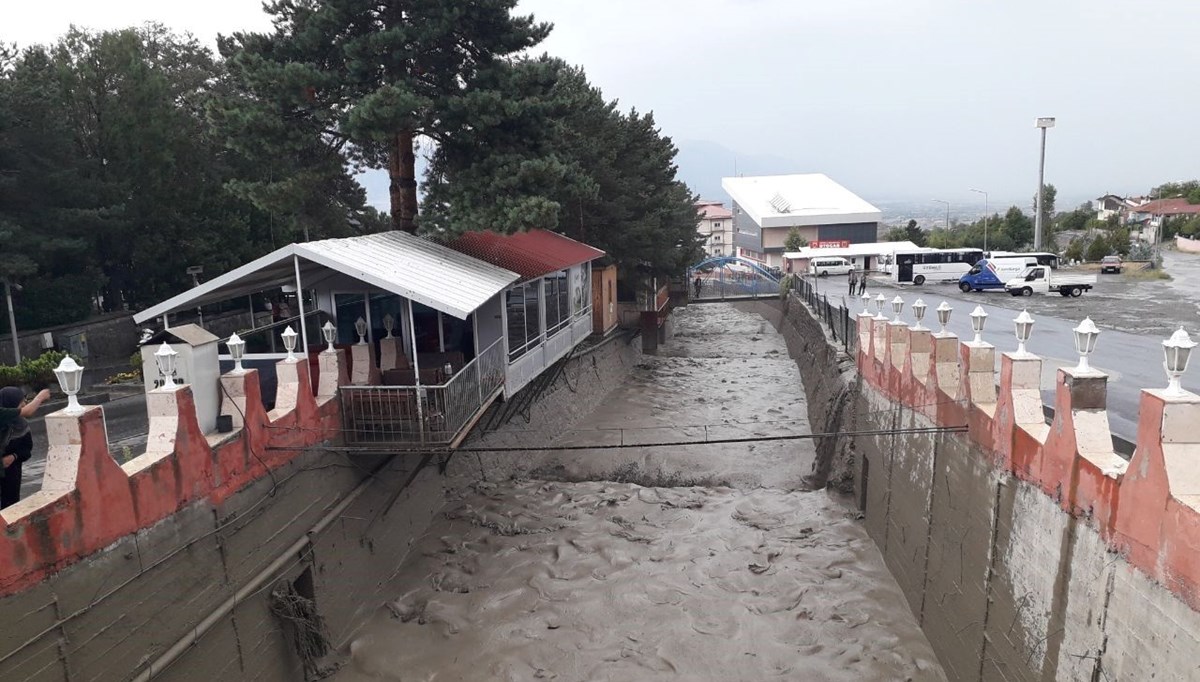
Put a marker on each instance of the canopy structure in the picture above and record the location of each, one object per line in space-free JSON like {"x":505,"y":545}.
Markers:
{"x":532,"y":254}
{"x":400,"y":263}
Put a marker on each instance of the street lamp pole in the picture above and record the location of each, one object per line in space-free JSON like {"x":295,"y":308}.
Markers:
{"x":1043,"y":123}
{"x":947,"y":203}
{"x":985,"y":217}
{"x":12,"y":320}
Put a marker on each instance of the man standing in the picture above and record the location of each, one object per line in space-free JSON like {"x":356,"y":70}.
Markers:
{"x":853,"y":281}
{"x":862,"y":283}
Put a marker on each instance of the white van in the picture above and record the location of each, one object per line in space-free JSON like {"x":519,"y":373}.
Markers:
{"x":829,"y":265}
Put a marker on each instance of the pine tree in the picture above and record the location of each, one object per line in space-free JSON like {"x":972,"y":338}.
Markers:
{"x":367,"y":79}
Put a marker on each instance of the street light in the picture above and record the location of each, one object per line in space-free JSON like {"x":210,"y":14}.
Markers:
{"x":879,"y":301}
{"x":1024,"y":327}
{"x":164,"y":357}
{"x":918,"y":309}
{"x":1086,"y":335}
{"x":1176,"y":350}
{"x":1042,"y":123}
{"x":897,"y":307}
{"x":9,"y":285}
{"x":943,"y":312}
{"x":70,"y":376}
{"x":237,"y":350}
{"x":947,"y":203}
{"x":978,"y":318}
{"x":985,"y":216}
{"x":289,"y":343}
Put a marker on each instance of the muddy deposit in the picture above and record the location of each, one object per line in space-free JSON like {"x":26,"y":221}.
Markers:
{"x":704,"y":562}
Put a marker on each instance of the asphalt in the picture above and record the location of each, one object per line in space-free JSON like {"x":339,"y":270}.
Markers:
{"x":1134,"y":318}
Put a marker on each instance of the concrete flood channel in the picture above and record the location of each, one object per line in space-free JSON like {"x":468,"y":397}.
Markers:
{"x":701,"y":562}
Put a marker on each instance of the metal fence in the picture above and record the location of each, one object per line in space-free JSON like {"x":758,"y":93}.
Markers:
{"x":721,"y":283}
{"x":425,"y":415}
{"x":835,"y":316}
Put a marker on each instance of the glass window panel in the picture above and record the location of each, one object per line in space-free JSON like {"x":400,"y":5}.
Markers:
{"x":533,"y":330}
{"x":349,"y":309}
{"x":552,"y":317}
{"x":515,"y":305}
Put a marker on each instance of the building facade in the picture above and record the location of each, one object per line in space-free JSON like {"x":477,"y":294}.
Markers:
{"x":716,"y":226}
{"x":767,"y":208}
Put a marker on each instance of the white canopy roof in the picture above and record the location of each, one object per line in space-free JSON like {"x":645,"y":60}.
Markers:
{"x":798,"y":200}
{"x":398,"y":262}
{"x":855,"y":250}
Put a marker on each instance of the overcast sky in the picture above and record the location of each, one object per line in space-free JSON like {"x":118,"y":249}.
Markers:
{"x":896,"y":99}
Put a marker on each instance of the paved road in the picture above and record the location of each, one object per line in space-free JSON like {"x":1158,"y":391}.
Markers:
{"x":1132,"y":361}
{"x":126,"y":421}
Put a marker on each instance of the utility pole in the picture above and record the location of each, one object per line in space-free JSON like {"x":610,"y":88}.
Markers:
{"x":12,"y":320}
{"x":985,"y":217}
{"x":1043,"y":123}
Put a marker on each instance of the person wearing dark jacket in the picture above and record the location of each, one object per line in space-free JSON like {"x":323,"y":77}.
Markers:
{"x":16,"y":442}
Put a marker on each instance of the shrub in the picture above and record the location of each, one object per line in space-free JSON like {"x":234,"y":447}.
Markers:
{"x":37,"y":373}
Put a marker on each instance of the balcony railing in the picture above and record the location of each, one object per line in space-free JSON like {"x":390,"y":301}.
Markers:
{"x":422,"y":415}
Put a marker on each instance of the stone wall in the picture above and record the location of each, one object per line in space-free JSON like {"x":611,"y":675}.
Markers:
{"x":107,"y":571}
{"x":1026,"y":550}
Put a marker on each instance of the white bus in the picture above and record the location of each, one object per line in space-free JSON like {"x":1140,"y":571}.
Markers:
{"x":937,"y":265}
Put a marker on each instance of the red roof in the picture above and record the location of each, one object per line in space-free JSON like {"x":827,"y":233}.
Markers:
{"x":1177,"y":206}
{"x":530,"y":254}
{"x":713,"y":210}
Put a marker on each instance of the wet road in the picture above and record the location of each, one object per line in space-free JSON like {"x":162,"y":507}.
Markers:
{"x":706,"y":562}
{"x":1134,"y":316}
{"x":126,"y":421}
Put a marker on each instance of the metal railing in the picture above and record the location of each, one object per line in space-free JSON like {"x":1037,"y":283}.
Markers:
{"x":424,"y":415}
{"x":836,"y":318}
{"x":724,"y":284}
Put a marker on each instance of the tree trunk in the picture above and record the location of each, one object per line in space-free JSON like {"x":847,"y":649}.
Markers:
{"x":402,"y":171}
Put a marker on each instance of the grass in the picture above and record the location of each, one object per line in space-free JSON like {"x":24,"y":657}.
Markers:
{"x":1146,"y":275}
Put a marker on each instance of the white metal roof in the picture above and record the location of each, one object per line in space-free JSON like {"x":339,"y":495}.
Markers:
{"x":398,"y":262}
{"x":798,"y":200}
{"x":855,"y":250}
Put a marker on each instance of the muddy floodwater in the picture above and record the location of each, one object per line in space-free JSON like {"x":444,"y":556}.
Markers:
{"x":702,"y":562}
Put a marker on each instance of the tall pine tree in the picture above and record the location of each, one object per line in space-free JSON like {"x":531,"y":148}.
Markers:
{"x":368,"y":78}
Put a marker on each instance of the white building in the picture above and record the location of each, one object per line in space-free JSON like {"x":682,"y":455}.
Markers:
{"x":766,"y":208}
{"x":716,"y":226}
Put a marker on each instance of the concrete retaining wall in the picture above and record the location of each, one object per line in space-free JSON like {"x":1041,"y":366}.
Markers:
{"x":106,"y":569}
{"x":1027,"y":551}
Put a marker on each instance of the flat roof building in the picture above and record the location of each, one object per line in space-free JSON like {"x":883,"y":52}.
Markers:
{"x":767,"y":207}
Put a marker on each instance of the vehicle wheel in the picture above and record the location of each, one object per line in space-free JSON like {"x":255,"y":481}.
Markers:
{"x":1026,"y":291}
{"x":1076,"y":292}
{"x":822,"y":273}
{"x":919,"y":280}
{"x":1015,"y":292}
{"x":1064,"y":293}
{"x":964,"y":287}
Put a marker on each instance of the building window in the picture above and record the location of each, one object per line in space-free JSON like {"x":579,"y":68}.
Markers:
{"x":558,"y":301}
{"x":716,"y":226}
{"x":716,"y":237}
{"x":524,"y":322}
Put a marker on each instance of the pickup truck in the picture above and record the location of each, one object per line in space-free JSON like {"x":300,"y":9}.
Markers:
{"x":1040,"y":280}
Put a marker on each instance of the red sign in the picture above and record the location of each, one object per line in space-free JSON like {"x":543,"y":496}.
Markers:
{"x":831,"y":244}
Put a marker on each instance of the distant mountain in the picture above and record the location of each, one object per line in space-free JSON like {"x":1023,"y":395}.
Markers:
{"x":702,"y":164}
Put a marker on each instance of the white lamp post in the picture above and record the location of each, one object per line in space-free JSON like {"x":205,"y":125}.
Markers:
{"x":978,"y":318}
{"x":943,"y":312}
{"x":1177,"y":351}
{"x":164,"y":357}
{"x":389,"y":323}
{"x":1042,"y":123}
{"x":1024,"y":327}
{"x":897,"y":307}
{"x":360,"y":326}
{"x":866,"y":304}
{"x":1086,"y":335}
{"x":918,"y":309}
{"x":327,"y":331}
{"x":70,"y":376}
{"x":289,"y":342}
{"x":237,"y":350}
{"x":879,"y":301}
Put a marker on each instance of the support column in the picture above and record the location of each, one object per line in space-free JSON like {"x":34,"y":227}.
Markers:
{"x":332,"y":374}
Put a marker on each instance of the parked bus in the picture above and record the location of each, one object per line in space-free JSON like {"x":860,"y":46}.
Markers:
{"x":1043,"y":257}
{"x":944,"y":265}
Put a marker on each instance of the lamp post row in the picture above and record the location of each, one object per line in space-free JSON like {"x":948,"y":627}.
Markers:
{"x":1176,"y":350}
